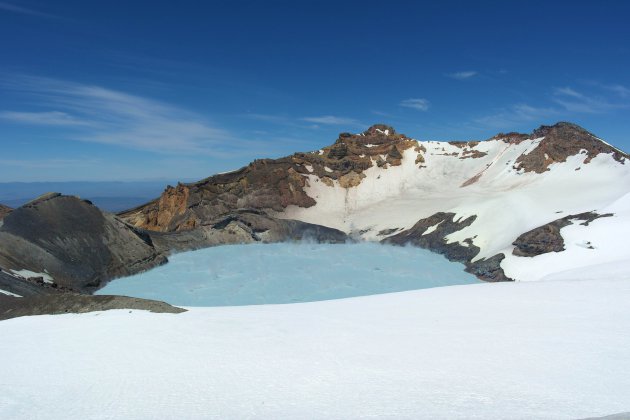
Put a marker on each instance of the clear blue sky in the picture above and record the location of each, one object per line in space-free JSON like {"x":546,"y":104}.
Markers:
{"x":110,"y":90}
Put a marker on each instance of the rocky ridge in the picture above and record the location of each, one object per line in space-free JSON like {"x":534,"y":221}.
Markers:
{"x":271,"y":184}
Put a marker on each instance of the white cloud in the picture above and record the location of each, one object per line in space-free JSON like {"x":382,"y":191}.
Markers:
{"x":420,"y":104}
{"x":101,"y":115}
{"x":462,"y":75}
{"x":331,"y":120}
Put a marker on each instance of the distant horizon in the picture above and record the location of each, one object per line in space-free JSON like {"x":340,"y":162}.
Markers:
{"x":151,"y":90}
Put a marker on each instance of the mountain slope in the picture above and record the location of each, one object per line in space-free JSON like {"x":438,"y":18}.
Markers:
{"x":378,"y":185}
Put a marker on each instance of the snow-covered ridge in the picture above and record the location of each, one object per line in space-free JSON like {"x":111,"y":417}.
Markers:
{"x":480,"y":179}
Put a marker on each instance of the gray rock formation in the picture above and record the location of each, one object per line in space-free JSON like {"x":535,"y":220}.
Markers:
{"x":547,"y":238}
{"x":73,"y":242}
{"x":444,"y":223}
{"x":11,"y":307}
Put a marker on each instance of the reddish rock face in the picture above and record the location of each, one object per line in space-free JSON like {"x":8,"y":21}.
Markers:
{"x":4,"y":210}
{"x":271,"y":183}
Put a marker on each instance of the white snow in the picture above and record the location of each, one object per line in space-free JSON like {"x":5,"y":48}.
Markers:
{"x":538,"y":350}
{"x":27,"y":274}
{"x":327,"y":169}
{"x":431,"y":229}
{"x":288,"y":273}
{"x":7,"y":293}
{"x":506,"y":202}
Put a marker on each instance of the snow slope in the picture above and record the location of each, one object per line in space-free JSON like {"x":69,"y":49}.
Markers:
{"x":556,"y":349}
{"x":506,"y":201}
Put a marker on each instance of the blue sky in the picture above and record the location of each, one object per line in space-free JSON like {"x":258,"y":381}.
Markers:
{"x":139,"y":90}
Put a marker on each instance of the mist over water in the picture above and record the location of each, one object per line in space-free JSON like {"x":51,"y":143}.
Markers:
{"x":288,"y":273}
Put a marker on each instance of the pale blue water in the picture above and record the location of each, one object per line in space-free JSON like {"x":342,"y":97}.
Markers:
{"x":289,"y":272}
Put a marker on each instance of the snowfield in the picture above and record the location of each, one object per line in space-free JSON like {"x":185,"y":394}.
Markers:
{"x":524,"y":350}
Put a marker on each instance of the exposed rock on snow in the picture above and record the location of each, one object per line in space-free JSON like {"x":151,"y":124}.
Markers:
{"x":547,"y":238}
{"x":431,"y":233}
{"x":561,"y":141}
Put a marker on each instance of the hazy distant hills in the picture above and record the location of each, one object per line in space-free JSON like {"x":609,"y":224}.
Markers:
{"x":110,"y":196}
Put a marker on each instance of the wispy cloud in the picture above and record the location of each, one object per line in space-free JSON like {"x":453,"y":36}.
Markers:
{"x":462,"y":75}
{"x":563,"y":102}
{"x":514,"y":115}
{"x":49,"y":163}
{"x":43,"y":118}
{"x":331,"y":120}
{"x":573,"y":101}
{"x":620,"y":90}
{"x":101,"y":115}
{"x":420,"y":104}
{"x":8,"y":7}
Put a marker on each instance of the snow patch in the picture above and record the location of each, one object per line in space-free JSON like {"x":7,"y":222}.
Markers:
{"x":7,"y":293}
{"x":27,"y":274}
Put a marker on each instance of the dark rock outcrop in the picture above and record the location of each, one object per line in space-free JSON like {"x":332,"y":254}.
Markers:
{"x":11,"y":307}
{"x":75,"y":243}
{"x":547,"y":238}
{"x":244,"y":226}
{"x":442,"y":225}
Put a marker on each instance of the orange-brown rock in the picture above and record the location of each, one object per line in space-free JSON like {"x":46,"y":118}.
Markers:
{"x":4,"y":210}
{"x":271,"y":184}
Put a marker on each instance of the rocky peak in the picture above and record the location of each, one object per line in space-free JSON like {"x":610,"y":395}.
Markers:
{"x":563,"y":129}
{"x":380,"y":129}
{"x":560,"y":141}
